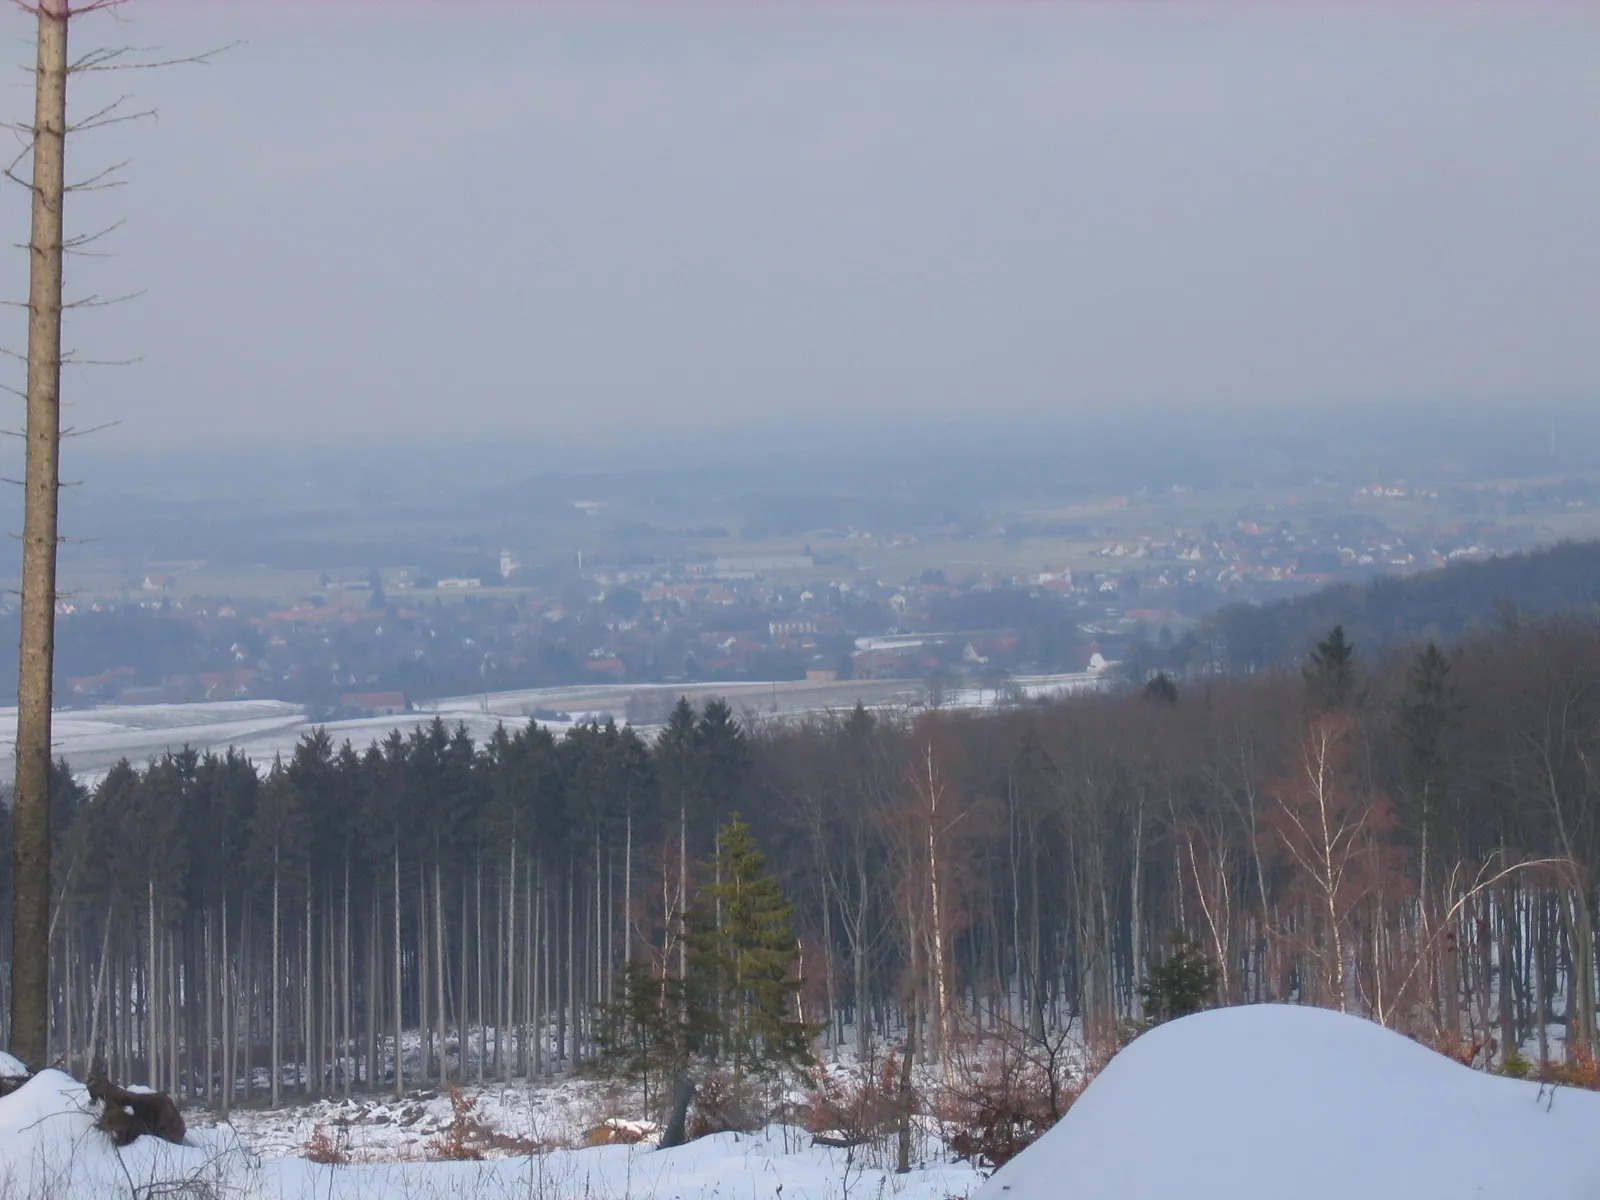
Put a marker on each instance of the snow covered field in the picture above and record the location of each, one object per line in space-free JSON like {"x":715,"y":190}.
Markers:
{"x":49,"y":1150}
{"x":94,"y":739}
{"x":1246,"y":1103}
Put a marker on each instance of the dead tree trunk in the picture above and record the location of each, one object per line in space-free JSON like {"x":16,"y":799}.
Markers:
{"x":30,"y":901}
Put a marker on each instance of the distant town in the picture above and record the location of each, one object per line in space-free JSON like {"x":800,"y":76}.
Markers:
{"x":837,"y":605}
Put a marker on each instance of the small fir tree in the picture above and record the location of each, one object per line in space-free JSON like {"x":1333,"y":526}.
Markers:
{"x":1330,"y":671}
{"x":742,"y":934}
{"x":1186,"y":983}
{"x":645,"y":1035}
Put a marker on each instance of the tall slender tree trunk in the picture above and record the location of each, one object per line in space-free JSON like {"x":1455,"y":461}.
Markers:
{"x":346,"y":1044}
{"x":1136,"y":915}
{"x":210,"y":1010}
{"x":424,"y":977}
{"x":903,"y":1155}
{"x":627,"y":892}
{"x":530,"y":943}
{"x":399,"y":980}
{"x":92,"y":1051}
{"x":683,"y":889}
{"x":171,"y":1013}
{"x":370,"y":989}
{"x":541,"y":966}
{"x":30,"y":808}
{"x":277,"y":986}
{"x":940,"y":975}
{"x":572,"y":966}
{"x":483,"y":1024}
{"x":508,"y":999}
{"x":438,"y":934}
{"x":309,"y":1082}
{"x":858,"y":951}
{"x":152,"y":982}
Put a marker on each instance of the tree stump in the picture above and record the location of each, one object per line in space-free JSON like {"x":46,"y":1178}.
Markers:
{"x":126,"y":1115}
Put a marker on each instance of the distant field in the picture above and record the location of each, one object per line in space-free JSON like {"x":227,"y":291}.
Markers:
{"x":93,"y":740}
{"x":351,"y":539}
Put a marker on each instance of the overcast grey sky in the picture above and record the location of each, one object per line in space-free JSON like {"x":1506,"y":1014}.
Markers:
{"x":420,"y":219}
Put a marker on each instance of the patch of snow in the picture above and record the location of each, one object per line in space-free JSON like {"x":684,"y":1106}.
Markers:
{"x":50,"y":1148}
{"x":10,"y":1068}
{"x":1276,"y":1100}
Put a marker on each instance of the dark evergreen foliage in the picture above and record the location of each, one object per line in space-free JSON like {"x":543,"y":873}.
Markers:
{"x":1184,"y":983}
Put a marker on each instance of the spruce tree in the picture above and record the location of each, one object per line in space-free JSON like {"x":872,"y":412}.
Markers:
{"x":742,"y":933}
{"x":642,"y":1037}
{"x":1186,"y":983}
{"x":1330,"y":671}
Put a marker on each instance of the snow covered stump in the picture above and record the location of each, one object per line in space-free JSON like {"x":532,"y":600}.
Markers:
{"x":1267,"y":1101}
{"x":126,"y":1114}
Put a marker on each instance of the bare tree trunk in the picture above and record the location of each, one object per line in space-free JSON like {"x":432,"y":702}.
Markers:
{"x":483,"y":1023}
{"x":91,"y":1052}
{"x":277,"y":985}
{"x":171,"y":1013}
{"x":903,"y":1158}
{"x":571,"y":1009}
{"x":67,"y":960}
{"x":399,"y":980}
{"x":374,"y":932}
{"x":152,"y":984}
{"x":541,"y":966}
{"x":308,"y":1081}
{"x":530,"y":945}
{"x":940,"y":976}
{"x":683,"y":889}
{"x":30,"y":810}
{"x":210,"y":1011}
{"x":346,"y":1043}
{"x":508,"y":997}
{"x":1136,"y":916}
{"x":438,"y":933}
{"x":627,"y":892}
{"x":461,"y":991}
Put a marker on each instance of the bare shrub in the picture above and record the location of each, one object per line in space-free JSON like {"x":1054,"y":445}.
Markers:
{"x":720,"y":1106}
{"x":465,"y":1138}
{"x":329,"y":1151}
{"x":1007,"y":1089}
{"x":856,"y":1107}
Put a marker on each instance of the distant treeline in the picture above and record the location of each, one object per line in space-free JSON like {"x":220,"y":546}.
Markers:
{"x":1414,"y":835}
{"x":1442,"y":605}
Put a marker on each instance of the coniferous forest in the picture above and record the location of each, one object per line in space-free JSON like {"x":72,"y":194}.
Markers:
{"x":1414,"y":837}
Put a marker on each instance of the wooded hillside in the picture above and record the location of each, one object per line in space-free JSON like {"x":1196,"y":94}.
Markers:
{"x":1415,"y":837}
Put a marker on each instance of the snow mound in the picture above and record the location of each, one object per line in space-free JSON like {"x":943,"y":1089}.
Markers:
{"x":10,"y":1068}
{"x":1274,"y":1100}
{"x":49,"y":1147}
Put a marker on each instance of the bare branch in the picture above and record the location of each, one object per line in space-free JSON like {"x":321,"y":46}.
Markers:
{"x":84,"y":239}
{"x":71,"y":360}
{"x":119,"y":119}
{"x":107,"y":61}
{"x":100,"y":180}
{"x":69,"y":431}
{"x":93,"y":301}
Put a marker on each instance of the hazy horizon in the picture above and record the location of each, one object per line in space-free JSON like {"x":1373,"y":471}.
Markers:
{"x":410,"y":224}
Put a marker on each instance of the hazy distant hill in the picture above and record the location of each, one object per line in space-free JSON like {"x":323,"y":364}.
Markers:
{"x":1441,"y":604}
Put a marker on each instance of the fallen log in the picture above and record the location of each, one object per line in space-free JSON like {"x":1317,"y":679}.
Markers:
{"x":127,"y":1115}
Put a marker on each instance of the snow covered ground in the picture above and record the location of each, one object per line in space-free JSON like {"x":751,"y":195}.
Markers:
{"x":49,"y":1149}
{"x":1268,"y":1101}
{"x":1240,"y":1103}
